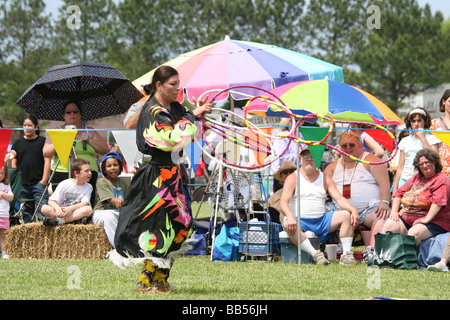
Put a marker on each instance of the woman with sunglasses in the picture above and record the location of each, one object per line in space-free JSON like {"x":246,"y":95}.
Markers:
{"x":287,"y":167}
{"x":365,"y":186}
{"x":420,"y":207}
{"x":87,"y":145}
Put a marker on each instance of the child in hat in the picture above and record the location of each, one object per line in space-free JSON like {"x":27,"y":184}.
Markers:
{"x":110,"y":194}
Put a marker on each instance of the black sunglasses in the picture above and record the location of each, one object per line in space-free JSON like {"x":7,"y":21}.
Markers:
{"x":348,"y":145}
{"x":74,"y":111}
{"x":286,"y":172}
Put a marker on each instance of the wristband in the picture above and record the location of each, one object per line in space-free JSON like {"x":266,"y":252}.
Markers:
{"x":386,"y":201}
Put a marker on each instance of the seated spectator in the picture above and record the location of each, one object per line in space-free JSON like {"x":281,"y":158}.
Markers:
{"x":71,"y":199}
{"x":442,"y":264}
{"x":425,"y":212}
{"x":116,"y":149}
{"x":417,"y":119}
{"x":110,"y":194}
{"x":314,"y":188}
{"x":367,"y":187}
{"x":287,"y":167}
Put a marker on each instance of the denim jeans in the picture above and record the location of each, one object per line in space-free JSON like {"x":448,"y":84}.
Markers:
{"x":33,"y":192}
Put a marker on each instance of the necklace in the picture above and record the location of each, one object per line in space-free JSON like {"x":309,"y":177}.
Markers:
{"x":346,"y":187}
{"x":350,"y":173}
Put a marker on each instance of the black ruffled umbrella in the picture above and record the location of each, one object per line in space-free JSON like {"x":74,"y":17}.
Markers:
{"x":99,"y":89}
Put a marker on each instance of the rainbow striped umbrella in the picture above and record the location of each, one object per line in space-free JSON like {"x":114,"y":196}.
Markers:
{"x":231,"y":63}
{"x":326,"y":97}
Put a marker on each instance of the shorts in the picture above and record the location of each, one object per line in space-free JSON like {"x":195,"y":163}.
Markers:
{"x":330,"y":205}
{"x":363,"y":214}
{"x":434,"y":228}
{"x":4,"y":223}
{"x":320,"y":226}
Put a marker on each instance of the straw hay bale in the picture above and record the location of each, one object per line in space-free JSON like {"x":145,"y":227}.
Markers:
{"x":67,"y":241}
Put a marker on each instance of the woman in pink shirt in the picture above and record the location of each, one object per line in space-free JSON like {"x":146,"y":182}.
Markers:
{"x":425,"y":212}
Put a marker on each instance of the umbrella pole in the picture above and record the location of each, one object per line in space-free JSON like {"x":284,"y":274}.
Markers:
{"x":299,"y":232}
{"x":216,"y":209}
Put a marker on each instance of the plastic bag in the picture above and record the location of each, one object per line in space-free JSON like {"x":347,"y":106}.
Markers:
{"x":395,"y":250}
{"x":226,"y":244}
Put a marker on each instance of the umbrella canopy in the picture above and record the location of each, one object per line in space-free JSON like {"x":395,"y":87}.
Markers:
{"x":326,"y":97}
{"x":231,"y":63}
{"x":99,"y":89}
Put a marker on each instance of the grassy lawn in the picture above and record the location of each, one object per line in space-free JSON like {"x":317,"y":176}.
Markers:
{"x":197,"y":278}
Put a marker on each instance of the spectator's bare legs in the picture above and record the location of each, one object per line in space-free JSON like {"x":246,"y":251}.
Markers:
{"x":419,"y":231}
{"x":70,"y":216}
{"x":376,"y":226}
{"x":341,"y":219}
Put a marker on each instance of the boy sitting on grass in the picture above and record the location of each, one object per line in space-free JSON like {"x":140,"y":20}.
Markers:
{"x":71,"y":199}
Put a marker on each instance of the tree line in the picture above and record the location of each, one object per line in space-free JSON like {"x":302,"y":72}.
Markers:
{"x":391,"y":48}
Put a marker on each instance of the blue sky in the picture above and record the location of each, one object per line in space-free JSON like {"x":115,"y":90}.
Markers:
{"x":441,"y":5}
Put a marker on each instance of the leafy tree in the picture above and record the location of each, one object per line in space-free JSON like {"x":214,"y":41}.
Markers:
{"x":25,"y":27}
{"x":143,"y":36}
{"x":153,"y":32}
{"x":199,"y":23}
{"x":333,"y":28}
{"x":407,"y":54}
{"x":84,"y":29}
{"x":26,"y":52}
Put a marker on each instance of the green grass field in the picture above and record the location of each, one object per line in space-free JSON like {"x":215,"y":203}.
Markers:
{"x":197,"y":278}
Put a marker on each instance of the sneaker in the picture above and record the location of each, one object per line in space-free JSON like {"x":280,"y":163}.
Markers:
{"x":368,"y":254}
{"x":5,"y":256}
{"x":50,"y":222}
{"x":348,"y":259}
{"x":319,"y":258}
{"x":440,"y":266}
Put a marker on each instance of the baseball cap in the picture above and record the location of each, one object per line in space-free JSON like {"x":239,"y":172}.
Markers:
{"x":112,"y":155}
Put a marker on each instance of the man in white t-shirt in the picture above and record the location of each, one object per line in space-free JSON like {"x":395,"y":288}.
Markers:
{"x":71,"y":199}
{"x":314,"y":188}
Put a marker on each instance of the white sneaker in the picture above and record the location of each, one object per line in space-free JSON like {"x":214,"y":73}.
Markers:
{"x":348,"y":259}
{"x":5,"y":256}
{"x":440,"y":266}
{"x":319,"y":258}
